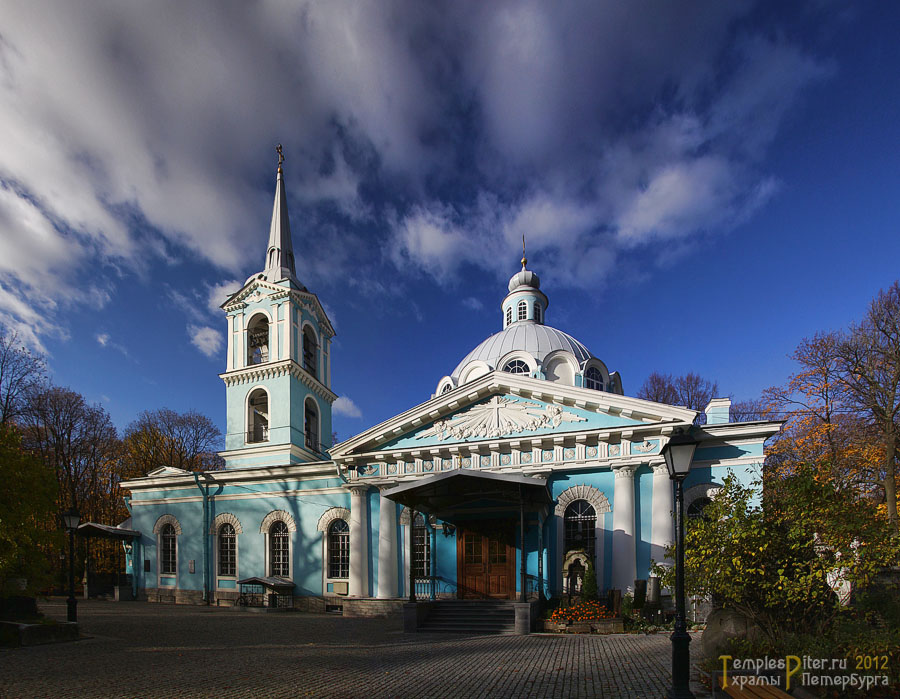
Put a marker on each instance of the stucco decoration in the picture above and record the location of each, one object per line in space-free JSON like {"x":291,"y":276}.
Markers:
{"x":226,"y":518}
{"x":499,"y":417}
{"x":644,"y":446}
{"x":404,"y":518}
{"x":332,"y":514}
{"x":701,"y":490}
{"x":167,"y":519}
{"x":592,"y":495}
{"x":274,"y":516}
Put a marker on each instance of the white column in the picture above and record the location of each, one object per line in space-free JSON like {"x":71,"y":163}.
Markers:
{"x":662,"y":527}
{"x":624,"y":566}
{"x":229,"y":357}
{"x":273,"y":345}
{"x":387,"y":548}
{"x":359,"y":542}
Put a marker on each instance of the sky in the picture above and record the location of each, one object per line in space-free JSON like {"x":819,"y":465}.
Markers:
{"x":700,"y":184}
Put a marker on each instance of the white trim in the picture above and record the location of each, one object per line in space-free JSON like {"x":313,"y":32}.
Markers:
{"x":278,"y":516}
{"x":526,"y":357}
{"x":157,"y":529}
{"x":167,"y":519}
{"x":234,"y":522}
{"x":241,"y":496}
{"x":264,"y":528}
{"x":700,"y":490}
{"x":471,"y":368}
{"x":331,"y":514}
{"x":249,"y":393}
{"x":226,"y":518}
{"x":323,"y":524}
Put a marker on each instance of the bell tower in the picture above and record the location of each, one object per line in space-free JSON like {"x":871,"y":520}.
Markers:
{"x":278,"y":367}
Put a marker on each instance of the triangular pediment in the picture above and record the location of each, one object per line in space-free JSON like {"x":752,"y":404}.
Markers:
{"x":258,"y":289}
{"x":167,"y":471}
{"x":501,"y":406}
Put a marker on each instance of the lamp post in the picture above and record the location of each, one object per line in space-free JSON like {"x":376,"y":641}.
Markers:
{"x":71,"y":519}
{"x":678,"y":453}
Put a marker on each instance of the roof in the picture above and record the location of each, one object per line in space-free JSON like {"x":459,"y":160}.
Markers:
{"x":92,"y":529}
{"x":538,"y":340}
{"x":273,"y":582}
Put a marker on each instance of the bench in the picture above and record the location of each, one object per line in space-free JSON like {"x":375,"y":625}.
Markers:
{"x":748,"y":691}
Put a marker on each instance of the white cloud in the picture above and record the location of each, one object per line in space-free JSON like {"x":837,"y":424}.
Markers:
{"x":103,"y":339}
{"x":206,"y":339}
{"x":219,"y":293}
{"x":346,"y":407}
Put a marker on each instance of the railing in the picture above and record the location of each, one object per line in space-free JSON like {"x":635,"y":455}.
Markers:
{"x":259,"y":434}
{"x":432,"y":587}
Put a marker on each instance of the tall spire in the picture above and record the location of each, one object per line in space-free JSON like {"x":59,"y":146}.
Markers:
{"x":280,"y":253}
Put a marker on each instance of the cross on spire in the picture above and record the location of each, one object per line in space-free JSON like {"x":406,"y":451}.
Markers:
{"x":524,"y":259}
{"x":280,"y":152}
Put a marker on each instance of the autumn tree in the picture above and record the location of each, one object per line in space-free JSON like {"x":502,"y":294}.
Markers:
{"x":165,"y":437}
{"x":21,"y":371}
{"x":869,"y":360}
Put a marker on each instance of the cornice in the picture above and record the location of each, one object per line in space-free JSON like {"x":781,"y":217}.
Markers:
{"x":259,"y":474}
{"x":269,"y":370}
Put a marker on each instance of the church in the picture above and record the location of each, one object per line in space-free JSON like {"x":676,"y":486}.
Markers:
{"x":527,"y":460}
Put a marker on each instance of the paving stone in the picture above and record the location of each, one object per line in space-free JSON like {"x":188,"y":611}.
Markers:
{"x":136,"y":649}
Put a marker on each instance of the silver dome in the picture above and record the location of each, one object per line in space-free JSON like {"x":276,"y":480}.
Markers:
{"x":528,"y":336}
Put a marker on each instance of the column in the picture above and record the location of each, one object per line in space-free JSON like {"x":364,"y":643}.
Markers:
{"x":662,"y":527}
{"x":229,"y":357}
{"x":387,"y":547}
{"x":624,"y":566}
{"x":359,"y":542}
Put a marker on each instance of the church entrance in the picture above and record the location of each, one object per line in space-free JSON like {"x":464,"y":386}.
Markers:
{"x":486,"y":563}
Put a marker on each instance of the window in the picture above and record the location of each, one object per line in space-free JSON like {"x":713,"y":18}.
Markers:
{"x":258,"y":340}
{"x":695,"y":509}
{"x":509,"y":316}
{"x":312,"y":426}
{"x":421,"y":548}
{"x":593,"y":379}
{"x":447,"y":388}
{"x":522,"y":311}
{"x":310,"y":351}
{"x":339,"y":549}
{"x":580,"y":524}
{"x":258,"y":416}
{"x":168,"y":564}
{"x":537,"y":312}
{"x":279,"y":550}
{"x":227,"y":550}
{"x":517,"y":366}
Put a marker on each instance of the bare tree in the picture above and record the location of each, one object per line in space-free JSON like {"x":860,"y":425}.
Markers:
{"x":20,"y":372}
{"x":77,"y":440}
{"x":167,"y":438}
{"x":691,"y":391}
{"x":870,"y":363}
{"x":750,"y":410}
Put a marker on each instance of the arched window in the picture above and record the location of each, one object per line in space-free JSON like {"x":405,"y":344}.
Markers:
{"x":168,"y":563}
{"x":227,"y":550}
{"x":421,"y":548}
{"x":593,"y":379}
{"x":279,"y":550}
{"x":258,"y":340}
{"x":312,"y":425}
{"x":257,"y":416}
{"x":695,"y":509}
{"x":537,"y":313}
{"x":517,"y":366}
{"x":522,"y":311}
{"x":509,"y":316}
{"x":310,"y":351}
{"x":581,"y":522}
{"x":339,"y":549}
{"x":447,"y":388}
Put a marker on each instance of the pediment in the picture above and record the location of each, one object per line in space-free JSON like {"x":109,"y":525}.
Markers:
{"x":502,"y":406}
{"x":257,"y":290}
{"x":167,"y":471}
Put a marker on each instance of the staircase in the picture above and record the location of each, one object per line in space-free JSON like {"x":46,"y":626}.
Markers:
{"x":475,"y":616}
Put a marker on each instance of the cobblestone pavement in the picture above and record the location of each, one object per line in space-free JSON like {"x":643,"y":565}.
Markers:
{"x":137,"y":649}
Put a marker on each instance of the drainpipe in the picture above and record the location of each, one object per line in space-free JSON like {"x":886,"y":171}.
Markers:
{"x":204,"y":491}
{"x":135,"y":553}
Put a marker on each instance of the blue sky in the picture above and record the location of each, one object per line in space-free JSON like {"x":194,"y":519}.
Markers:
{"x":701,"y":185}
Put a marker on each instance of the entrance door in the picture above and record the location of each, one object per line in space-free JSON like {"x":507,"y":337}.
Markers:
{"x":486,"y":566}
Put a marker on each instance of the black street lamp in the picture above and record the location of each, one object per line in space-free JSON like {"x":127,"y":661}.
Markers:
{"x":70,"y":520}
{"x":678,"y":453}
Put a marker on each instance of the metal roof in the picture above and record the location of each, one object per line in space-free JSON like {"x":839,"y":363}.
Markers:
{"x":538,"y":340}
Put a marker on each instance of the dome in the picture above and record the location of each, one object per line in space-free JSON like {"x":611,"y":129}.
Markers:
{"x":537,"y":340}
{"x":524,"y":278}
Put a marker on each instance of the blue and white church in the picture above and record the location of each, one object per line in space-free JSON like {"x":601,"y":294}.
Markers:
{"x":527,"y":462}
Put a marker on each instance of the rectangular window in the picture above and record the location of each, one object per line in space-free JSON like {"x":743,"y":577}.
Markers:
{"x":421,"y":552}
{"x":169,"y":558}
{"x":227,"y":554}
{"x":339,"y":555}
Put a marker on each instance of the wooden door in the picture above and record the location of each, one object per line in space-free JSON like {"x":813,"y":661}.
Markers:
{"x":485,"y":565}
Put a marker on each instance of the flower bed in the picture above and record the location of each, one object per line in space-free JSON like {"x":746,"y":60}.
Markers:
{"x":583,"y":617}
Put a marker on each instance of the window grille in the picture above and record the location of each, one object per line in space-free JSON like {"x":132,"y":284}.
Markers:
{"x":593,"y":379}
{"x":509,"y":316}
{"x":310,"y":351}
{"x":339,"y":549}
{"x":227,"y":550}
{"x":522,"y":311}
{"x":169,"y":553}
{"x":421,"y":548}
{"x":517,"y":366}
{"x":279,"y":550}
{"x":580,"y":524}
{"x":312,"y":427}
